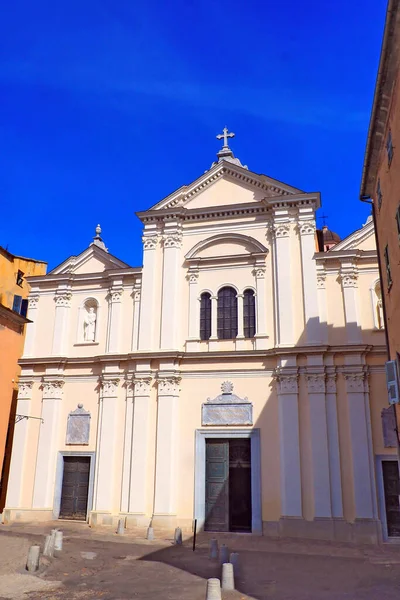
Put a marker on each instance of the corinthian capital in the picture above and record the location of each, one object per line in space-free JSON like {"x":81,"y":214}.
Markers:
{"x":168,"y":385}
{"x":306,"y":227}
{"x":109,"y":387}
{"x":349,"y":278}
{"x":287,"y":382}
{"x":173,"y":240}
{"x":150,"y":242}
{"x":63,"y":298}
{"x":52,"y":388}
{"x":281,"y":230}
{"x":33,"y":301}
{"x":25,"y":389}
{"x":315,"y":383}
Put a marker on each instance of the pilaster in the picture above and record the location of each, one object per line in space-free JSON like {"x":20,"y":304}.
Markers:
{"x":355,"y":387}
{"x":306,"y":227}
{"x":287,"y":387}
{"x":171,"y":298}
{"x":18,"y":454}
{"x":261,"y":307}
{"x":140,"y":443}
{"x":281,"y":230}
{"x":105,"y":444}
{"x":115,"y":295}
{"x":136,"y":313}
{"x":194,"y":310}
{"x":348,"y":278}
{"x":166,"y":452}
{"x":62,"y":301}
{"x":30,"y":332}
{"x":148,"y":291}
{"x":333,"y":443}
{"x":322,"y":306}
{"x":45,"y":473}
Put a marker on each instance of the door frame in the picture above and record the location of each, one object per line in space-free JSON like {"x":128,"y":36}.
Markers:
{"x":59,"y":480}
{"x":381,"y":495}
{"x":201,"y":435}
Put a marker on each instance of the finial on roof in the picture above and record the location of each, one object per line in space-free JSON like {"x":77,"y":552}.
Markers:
{"x":97,"y":240}
{"x":226,"y":153}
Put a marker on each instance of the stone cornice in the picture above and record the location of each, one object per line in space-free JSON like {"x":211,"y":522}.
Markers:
{"x":77,"y":279}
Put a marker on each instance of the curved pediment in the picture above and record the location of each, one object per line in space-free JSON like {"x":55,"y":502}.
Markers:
{"x":227,"y":244}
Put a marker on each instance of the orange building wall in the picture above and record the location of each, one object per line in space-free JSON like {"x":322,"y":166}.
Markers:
{"x":11,"y":346}
{"x":386,"y":220}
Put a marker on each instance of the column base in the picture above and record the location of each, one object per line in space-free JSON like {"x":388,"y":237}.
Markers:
{"x":10,"y":515}
{"x":362,"y":531}
{"x":262,"y":341}
{"x":192,"y":345}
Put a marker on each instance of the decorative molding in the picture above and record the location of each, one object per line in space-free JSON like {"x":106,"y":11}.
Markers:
{"x":172,"y":240}
{"x":78,"y":427}
{"x":52,"y":388}
{"x":315,"y":383}
{"x":63,"y":299}
{"x":321,"y":281}
{"x":354,"y":382}
{"x":25,"y":389}
{"x":142,"y":386}
{"x":33,"y":301}
{"x":287,"y":383}
{"x":331,"y":383}
{"x":259,"y":272}
{"x":150,"y":242}
{"x":306,"y":227}
{"x":281,"y":230}
{"x":109,"y":387}
{"x":168,"y":385}
{"x":136,"y":295}
{"x":349,"y":278}
{"x":192,"y":276}
{"x":227,"y":408}
{"x":115,"y":294}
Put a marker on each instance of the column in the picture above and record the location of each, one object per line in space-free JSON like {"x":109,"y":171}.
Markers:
{"x":61,"y":322}
{"x":214,"y":323}
{"x":194,"y":310}
{"x":319,"y":444}
{"x":30,"y":328}
{"x":136,"y":313}
{"x":15,"y":480}
{"x":289,"y":443}
{"x":261,"y":308}
{"x":171,"y":298}
{"x":349,"y":276}
{"x":114,"y":318}
{"x":166,"y":451}
{"x":105,"y":445}
{"x":45,"y":473}
{"x":321,"y":296}
{"x":308,"y":249}
{"x":128,"y":438}
{"x":333,"y":445}
{"x":140,"y":445}
{"x":359,"y":445}
{"x":147,"y":304}
{"x":283,"y":284}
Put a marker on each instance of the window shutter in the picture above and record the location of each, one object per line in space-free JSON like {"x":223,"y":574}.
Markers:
{"x":392,"y":381}
{"x":17,"y":304}
{"x":24,"y":308}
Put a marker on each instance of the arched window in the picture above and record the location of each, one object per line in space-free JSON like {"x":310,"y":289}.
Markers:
{"x":249,"y":314}
{"x":205,"y":316}
{"x":227,"y":320}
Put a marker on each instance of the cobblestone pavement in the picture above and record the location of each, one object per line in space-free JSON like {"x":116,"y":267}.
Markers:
{"x":99,"y":565}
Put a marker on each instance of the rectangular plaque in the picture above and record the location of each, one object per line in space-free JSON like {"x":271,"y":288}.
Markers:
{"x":78,"y":429}
{"x":227,"y":414}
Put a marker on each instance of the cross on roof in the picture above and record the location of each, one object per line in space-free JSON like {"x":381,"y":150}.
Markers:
{"x":323,"y":217}
{"x":225,"y":135}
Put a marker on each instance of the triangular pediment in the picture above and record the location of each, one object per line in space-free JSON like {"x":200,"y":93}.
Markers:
{"x":91,"y":260}
{"x":223,"y":185}
{"x":361,"y":239}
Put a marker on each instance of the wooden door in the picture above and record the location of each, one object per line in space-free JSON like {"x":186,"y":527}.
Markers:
{"x":217,"y":485}
{"x":75,"y":488}
{"x":391,"y":486}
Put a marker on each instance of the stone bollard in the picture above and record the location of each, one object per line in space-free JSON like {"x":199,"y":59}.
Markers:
{"x":150,"y":533}
{"x":32,"y":562}
{"x":234,"y":559}
{"x":213,"y":548}
{"x":58,"y":540}
{"x":228,"y":582}
{"x":49,"y":546}
{"x":213,"y":591}
{"x":121,"y":527}
{"x":223,"y":554}
{"x":178,"y":536}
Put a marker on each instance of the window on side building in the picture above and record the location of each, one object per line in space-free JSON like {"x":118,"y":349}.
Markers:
{"x":389,"y":147}
{"x":387,"y":264}
{"x":379,"y":194}
{"x":398,"y":221}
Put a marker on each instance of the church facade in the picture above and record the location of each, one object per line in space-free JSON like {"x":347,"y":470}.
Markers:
{"x":237,"y":378}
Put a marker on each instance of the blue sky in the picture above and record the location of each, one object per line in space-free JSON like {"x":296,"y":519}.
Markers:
{"x":108,"y":106}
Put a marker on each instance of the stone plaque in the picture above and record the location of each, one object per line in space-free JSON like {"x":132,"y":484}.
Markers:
{"x":78,"y":427}
{"x":227,"y":409}
{"x":388,"y":427}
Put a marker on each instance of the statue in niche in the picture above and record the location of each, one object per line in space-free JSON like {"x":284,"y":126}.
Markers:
{"x":379,"y":307}
{"x":89,"y":325}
